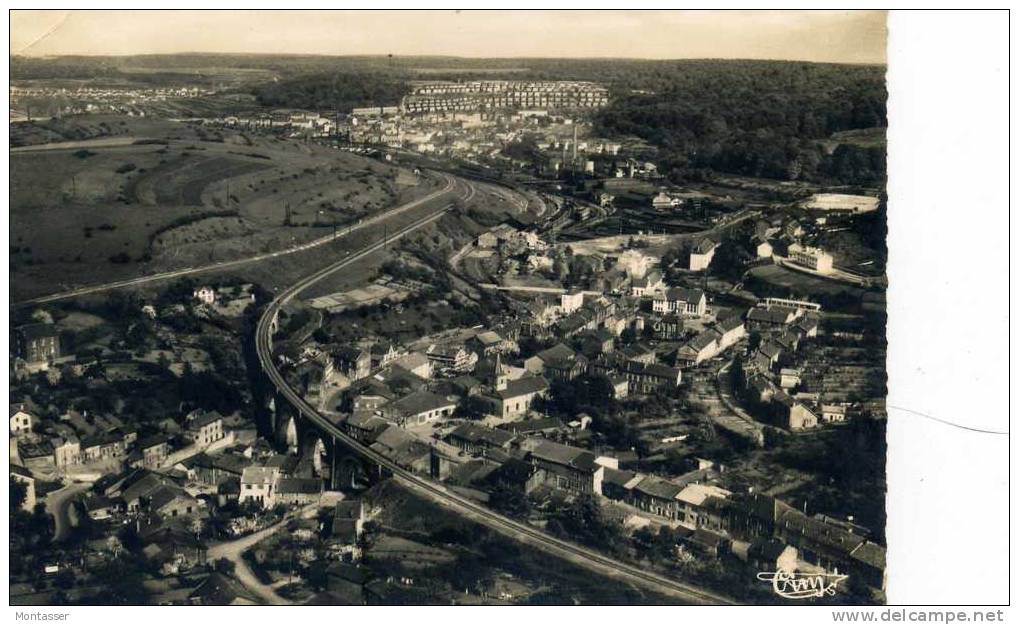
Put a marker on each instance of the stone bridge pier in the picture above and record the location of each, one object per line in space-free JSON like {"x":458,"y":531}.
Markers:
{"x":320,"y":454}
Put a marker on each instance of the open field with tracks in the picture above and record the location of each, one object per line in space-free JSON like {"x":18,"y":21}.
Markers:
{"x":165,"y":195}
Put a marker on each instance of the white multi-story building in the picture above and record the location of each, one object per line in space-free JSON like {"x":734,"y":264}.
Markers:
{"x":21,"y":420}
{"x":702,"y":253}
{"x":813,"y":258}
{"x":258,"y":484}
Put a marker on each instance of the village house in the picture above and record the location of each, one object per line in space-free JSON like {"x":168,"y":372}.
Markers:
{"x":403,"y":448}
{"x":771,"y":318}
{"x":476,"y":439}
{"x":663,"y":201}
{"x":702,"y":347}
{"x":418,"y":408}
{"x":557,"y":362}
{"x":657,"y":496}
{"x":352,"y":362}
{"x":103,"y":446}
{"x":382,"y":354}
{"x":170,"y":501}
{"x":415,"y":362}
{"x":215,"y":469}
{"x":791,"y":414}
{"x":204,"y":428}
{"x":812,"y":258}
{"x":364,"y":427}
{"x":24,"y":477}
{"x":696,"y":507}
{"x":667,"y":327}
{"x":298,"y":491}
{"x":789,"y":378}
{"x":646,"y":286}
{"x":763,"y":248}
{"x":154,"y":451}
{"x":833,"y":413}
{"x":732,"y":330}
{"x":206,"y":295}
{"x":66,"y":452}
{"x":702,"y":254}
{"x":647,"y":379}
{"x":258,"y":485}
{"x":347,"y":528}
{"x":37,"y":342}
{"x":368,"y":394}
{"x":566,"y":468}
{"x":451,"y":357}
{"x":686,"y":302}
{"x":21,"y":420}
{"x":485,"y":343}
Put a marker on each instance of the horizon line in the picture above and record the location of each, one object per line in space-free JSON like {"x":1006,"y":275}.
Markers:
{"x":446,"y":56}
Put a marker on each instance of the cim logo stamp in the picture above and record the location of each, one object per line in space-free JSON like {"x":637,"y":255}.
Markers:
{"x":802,"y":585}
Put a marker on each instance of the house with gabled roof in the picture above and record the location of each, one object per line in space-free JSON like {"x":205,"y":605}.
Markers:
{"x":702,"y":253}
{"x":682,"y":301}
{"x":565,"y":467}
{"x":418,"y":408}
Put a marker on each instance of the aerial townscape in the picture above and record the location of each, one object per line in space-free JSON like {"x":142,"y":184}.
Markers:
{"x":433,"y":330}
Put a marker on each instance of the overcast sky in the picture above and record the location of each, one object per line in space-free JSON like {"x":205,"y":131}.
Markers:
{"x":830,"y":36}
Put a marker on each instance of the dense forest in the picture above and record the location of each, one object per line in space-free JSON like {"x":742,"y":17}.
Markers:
{"x":756,"y":118}
{"x":333,"y":91}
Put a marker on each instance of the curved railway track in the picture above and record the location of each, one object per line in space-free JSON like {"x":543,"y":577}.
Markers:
{"x":433,"y":490}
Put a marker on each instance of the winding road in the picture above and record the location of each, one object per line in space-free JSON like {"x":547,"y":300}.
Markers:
{"x":437,"y":492}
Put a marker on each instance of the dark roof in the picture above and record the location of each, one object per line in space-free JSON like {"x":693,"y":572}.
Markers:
{"x":218,"y":589}
{"x":348,"y":509}
{"x":165,"y":494}
{"x":659,"y":488}
{"x":704,"y":246}
{"x":299,"y":486}
{"x":769,"y":315}
{"x":704,"y":339}
{"x":16,"y":408}
{"x":152,"y":441}
{"x":523,"y":386}
{"x":474,"y":433}
{"x":348,"y":352}
{"x":419,"y":402}
{"x":38,"y":330}
{"x":682,"y":294}
{"x":558,"y":352}
{"x":795,"y":523}
{"x":348,"y":572}
{"x":617,"y":477}
{"x":870,"y":553}
{"x":653,"y":369}
{"x":574,"y":457}
{"x":770,"y":349}
{"x":204,"y":419}
{"x":730,"y":323}
{"x":534,"y":425}
{"x":22,"y":471}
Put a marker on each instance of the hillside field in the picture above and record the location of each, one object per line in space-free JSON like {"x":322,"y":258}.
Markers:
{"x":163,"y":195}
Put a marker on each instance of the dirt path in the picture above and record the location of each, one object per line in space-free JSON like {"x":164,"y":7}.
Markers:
{"x":234,"y":551}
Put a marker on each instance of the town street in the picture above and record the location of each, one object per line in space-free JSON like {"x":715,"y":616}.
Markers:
{"x":58,"y":504}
